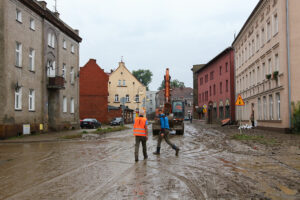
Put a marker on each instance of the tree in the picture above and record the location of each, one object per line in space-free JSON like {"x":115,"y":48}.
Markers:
{"x":174,"y":84}
{"x":144,"y":76}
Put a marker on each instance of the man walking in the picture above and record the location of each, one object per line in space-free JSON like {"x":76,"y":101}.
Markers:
{"x":164,"y":133}
{"x":140,"y":131}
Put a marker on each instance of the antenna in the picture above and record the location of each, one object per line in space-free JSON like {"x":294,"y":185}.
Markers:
{"x":55,"y":6}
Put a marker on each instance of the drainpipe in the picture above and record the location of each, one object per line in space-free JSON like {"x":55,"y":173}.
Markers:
{"x":289,"y":63}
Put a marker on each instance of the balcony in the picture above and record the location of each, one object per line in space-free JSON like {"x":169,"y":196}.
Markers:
{"x":56,"y":83}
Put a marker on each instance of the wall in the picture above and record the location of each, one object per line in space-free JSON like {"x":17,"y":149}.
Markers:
{"x":93,"y":92}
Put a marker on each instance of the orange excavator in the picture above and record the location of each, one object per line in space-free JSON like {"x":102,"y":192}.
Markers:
{"x":173,"y":109}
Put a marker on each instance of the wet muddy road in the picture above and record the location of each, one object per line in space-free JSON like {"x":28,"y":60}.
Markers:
{"x":209,"y":166}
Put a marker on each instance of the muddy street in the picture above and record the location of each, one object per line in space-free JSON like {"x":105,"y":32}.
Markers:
{"x":210,"y":165}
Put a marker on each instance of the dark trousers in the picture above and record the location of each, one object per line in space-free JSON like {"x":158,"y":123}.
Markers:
{"x":166,"y":137}
{"x":139,"y":139}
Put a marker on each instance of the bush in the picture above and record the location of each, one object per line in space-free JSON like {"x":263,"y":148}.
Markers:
{"x":296,"y":117}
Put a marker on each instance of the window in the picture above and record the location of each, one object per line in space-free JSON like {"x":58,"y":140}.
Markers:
{"x":259,"y":108}
{"x":271,"y":107}
{"x":51,"y":71}
{"x":65,"y":109}
{"x":263,"y":71}
{"x":72,"y":105}
{"x":31,"y":100}
{"x":209,"y":90}
{"x":18,"y":54}
{"x":18,"y":99}
{"x":268,"y":31}
{"x":258,"y":75}
{"x":206,"y":78}
{"x":220,"y":70}
{"x":265,"y":107}
{"x":253,"y":47}
{"x":221,"y":112}
{"x":119,"y":82}
{"x":227,"y":86}
{"x":51,"y":40}
{"x":270,"y":66}
{"x":226,"y":67}
{"x":32,"y":24}
{"x":64,"y":71}
{"x":137,"y":98}
{"x":278,"y":106}
{"x":72,"y":75}
{"x":221,"y":88}
{"x":19,"y":16}
{"x":262,"y":36}
{"x":200,"y":98}
{"x":212,"y":75}
{"x":214,"y":89}
{"x":31,"y":59}
{"x":151,"y":102}
{"x":201,"y":81}
{"x":64,"y":44}
{"x":275,"y":19}
{"x":276,"y":62}
{"x":257,"y":42}
{"x":124,"y":83}
{"x":72,"y":48}
{"x":127,"y":98}
{"x":116,"y":98}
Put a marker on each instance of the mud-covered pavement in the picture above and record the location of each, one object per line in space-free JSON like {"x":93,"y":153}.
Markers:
{"x":210,"y":165}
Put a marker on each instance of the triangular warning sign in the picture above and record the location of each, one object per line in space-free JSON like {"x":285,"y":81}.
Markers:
{"x":239,"y":101}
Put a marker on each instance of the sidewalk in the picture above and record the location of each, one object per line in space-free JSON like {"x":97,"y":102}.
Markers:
{"x":47,"y":137}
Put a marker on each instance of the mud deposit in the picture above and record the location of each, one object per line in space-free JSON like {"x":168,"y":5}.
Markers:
{"x":210,"y":165}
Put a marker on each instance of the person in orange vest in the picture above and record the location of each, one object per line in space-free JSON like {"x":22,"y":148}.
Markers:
{"x":140,"y":131}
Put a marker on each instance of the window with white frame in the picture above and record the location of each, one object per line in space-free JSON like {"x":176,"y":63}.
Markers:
{"x":51,"y":40}
{"x":271,"y":107}
{"x":276,"y":62}
{"x":278,"y":106}
{"x":64,"y":44}
{"x":72,"y":48}
{"x":265,"y":107}
{"x":72,"y":75}
{"x":51,"y":68}
{"x":65,"y":108}
{"x":270,"y":66}
{"x":275,"y":19}
{"x":72,"y":105}
{"x":259,"y":108}
{"x":31,"y":100}
{"x":124,"y":83}
{"x":18,"y":54}
{"x":64,"y":71}
{"x":268,"y":30}
{"x":18,"y":99}
{"x":119,"y":83}
{"x":32,"y":24}
{"x":31,"y":59}
{"x":19,"y":15}
{"x":116,"y":98}
{"x":137,"y":98}
{"x":127,"y":98}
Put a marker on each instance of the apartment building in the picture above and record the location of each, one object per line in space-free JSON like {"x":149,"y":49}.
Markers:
{"x":124,"y":86}
{"x":38,"y":69}
{"x":267,"y":63}
{"x":216,"y":87}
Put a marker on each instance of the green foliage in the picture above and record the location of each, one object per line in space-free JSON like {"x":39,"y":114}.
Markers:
{"x":174,"y":84}
{"x":144,"y":76}
{"x":296,"y":117}
{"x":255,"y":138}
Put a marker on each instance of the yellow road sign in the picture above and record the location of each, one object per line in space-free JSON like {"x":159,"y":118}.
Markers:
{"x":239,"y":101}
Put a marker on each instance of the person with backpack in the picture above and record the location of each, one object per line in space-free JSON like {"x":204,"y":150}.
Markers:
{"x":164,"y":134}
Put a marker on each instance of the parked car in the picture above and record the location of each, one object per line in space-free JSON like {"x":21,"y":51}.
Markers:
{"x":90,"y":123}
{"x":117,"y":121}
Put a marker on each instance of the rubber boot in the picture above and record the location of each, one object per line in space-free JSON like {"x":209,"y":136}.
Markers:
{"x":176,"y":150}
{"x":157,"y":152}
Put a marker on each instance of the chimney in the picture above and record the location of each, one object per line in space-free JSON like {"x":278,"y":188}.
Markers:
{"x":111,"y":71}
{"x":43,"y":4}
{"x":56,"y":14}
{"x":76,"y":31}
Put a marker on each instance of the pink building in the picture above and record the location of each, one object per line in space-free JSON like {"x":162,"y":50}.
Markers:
{"x":216,"y":88}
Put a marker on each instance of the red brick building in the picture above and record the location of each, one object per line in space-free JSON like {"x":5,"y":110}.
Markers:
{"x":93,"y":92}
{"x":216,"y":87}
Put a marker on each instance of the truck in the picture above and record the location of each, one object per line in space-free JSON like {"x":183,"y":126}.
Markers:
{"x":174,"y":109}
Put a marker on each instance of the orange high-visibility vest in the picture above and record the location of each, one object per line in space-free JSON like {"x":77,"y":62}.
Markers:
{"x":139,"y":127}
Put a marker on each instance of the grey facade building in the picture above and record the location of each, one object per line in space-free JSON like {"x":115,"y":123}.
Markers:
{"x":150,"y":102}
{"x":39,"y":65}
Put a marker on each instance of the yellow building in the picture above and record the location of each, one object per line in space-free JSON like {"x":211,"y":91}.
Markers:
{"x":123,"y":85}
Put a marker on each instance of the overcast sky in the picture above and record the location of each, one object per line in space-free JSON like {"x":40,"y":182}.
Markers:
{"x":154,"y":34}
